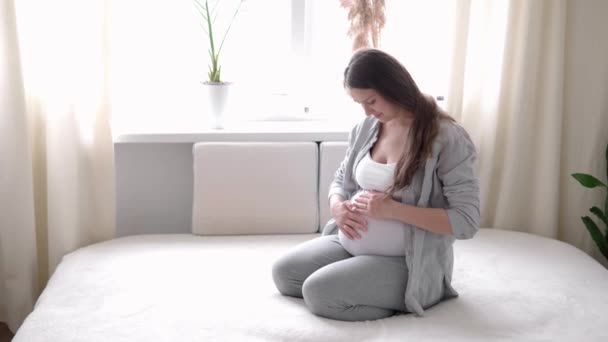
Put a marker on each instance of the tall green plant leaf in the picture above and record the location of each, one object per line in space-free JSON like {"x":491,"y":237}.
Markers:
{"x":200,"y":8}
{"x":596,"y":234}
{"x":209,"y":15}
{"x":606,"y":213}
{"x":598,"y":212}
{"x":210,"y":28}
{"x":606,"y":161}
{"x":587,"y":181}
{"x":606,"y":200}
{"x":229,"y":26}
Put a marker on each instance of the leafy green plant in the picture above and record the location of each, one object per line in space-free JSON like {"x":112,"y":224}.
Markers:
{"x":209,"y":16}
{"x":600,"y":238}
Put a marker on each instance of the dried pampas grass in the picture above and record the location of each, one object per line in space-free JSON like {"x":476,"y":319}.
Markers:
{"x":366,"y":19}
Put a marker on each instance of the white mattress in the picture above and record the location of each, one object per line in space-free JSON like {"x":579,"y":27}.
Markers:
{"x":512,"y":286}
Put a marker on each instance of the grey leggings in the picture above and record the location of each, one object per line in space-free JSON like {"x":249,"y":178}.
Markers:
{"x":337,"y":285}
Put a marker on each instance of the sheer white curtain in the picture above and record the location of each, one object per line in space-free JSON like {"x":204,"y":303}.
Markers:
{"x":56,"y":153}
{"x":508,"y":87}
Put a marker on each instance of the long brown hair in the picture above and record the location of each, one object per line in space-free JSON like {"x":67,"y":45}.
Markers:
{"x":377,"y":70}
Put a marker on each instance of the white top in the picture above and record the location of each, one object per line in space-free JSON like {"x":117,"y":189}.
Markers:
{"x":383,"y":237}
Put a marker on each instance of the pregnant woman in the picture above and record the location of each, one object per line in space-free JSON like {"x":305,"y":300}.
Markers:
{"x":404,"y":192}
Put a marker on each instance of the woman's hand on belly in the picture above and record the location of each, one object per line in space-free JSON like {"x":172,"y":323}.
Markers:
{"x":374,"y":204}
{"x":348,"y":221}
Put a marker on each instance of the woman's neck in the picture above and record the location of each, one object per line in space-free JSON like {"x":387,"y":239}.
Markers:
{"x":403,"y":120}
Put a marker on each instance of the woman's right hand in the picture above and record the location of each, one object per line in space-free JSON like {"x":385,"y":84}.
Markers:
{"x":348,"y":221}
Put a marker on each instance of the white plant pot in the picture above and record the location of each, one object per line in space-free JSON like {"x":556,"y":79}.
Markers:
{"x":217,"y":102}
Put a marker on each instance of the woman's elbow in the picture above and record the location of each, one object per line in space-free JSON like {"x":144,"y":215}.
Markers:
{"x":464,"y":223}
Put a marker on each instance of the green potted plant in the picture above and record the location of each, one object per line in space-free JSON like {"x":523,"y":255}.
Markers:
{"x":217,"y":89}
{"x":600,"y":236}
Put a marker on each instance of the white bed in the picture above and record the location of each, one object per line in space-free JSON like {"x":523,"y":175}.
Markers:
{"x":513,"y":286}
{"x":182,"y":287}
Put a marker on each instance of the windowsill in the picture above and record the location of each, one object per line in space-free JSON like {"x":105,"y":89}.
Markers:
{"x":312,"y":130}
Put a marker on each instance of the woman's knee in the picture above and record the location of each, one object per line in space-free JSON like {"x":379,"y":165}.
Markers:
{"x":291,"y":269}
{"x":285,"y":278}
{"x":320,"y":296}
{"x":325,"y":296}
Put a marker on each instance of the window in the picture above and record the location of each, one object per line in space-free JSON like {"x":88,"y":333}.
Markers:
{"x":418,"y":33}
{"x":286,"y":59}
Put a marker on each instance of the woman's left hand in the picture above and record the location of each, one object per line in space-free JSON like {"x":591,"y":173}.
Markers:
{"x":374,"y":204}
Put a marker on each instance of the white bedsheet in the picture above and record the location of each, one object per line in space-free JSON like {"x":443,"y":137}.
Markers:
{"x":512,"y":286}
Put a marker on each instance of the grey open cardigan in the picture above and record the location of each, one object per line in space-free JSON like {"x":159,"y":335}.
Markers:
{"x":447,"y":180}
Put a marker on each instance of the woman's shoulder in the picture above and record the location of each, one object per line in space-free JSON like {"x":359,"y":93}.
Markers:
{"x":364,"y":128}
{"x":451,"y":132}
